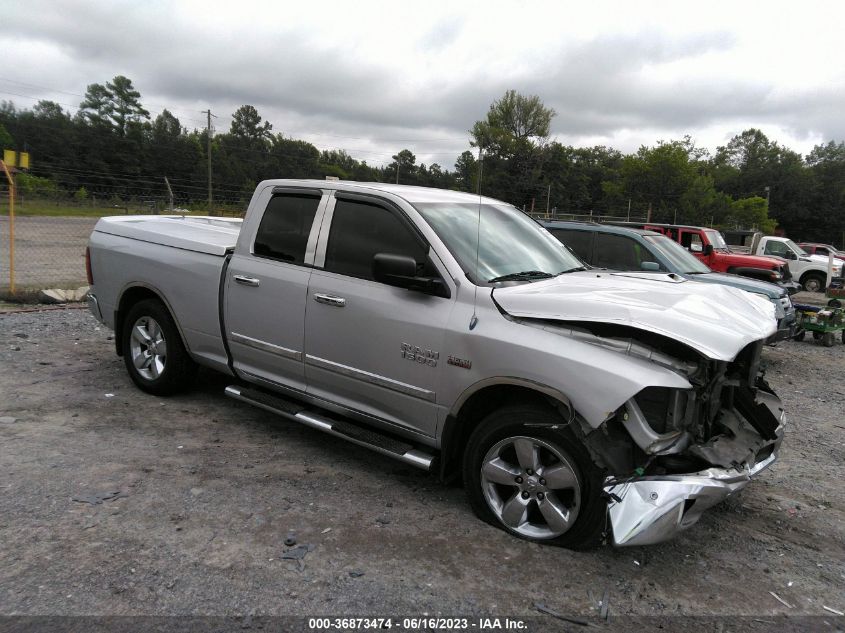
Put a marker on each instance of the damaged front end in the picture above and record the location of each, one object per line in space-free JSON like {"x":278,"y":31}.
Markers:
{"x":681,"y":451}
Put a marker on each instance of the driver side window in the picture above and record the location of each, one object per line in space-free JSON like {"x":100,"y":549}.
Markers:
{"x":361,"y":230}
{"x":778,"y":249}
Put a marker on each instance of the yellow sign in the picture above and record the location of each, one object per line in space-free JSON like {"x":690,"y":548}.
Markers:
{"x":9,"y":157}
{"x":24,"y":160}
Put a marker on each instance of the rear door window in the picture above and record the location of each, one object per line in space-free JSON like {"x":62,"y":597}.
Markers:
{"x":285,"y":227}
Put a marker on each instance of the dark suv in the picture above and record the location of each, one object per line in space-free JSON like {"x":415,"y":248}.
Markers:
{"x":627,"y":249}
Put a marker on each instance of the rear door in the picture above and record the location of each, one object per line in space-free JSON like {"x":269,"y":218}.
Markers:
{"x":267,"y":287}
{"x":371,"y":347}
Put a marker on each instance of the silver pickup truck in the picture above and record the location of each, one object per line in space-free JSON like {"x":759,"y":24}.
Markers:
{"x":452,"y":332}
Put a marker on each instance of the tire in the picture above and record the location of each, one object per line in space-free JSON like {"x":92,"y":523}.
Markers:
{"x":153,"y":351}
{"x":829,"y":339}
{"x":813,"y":282}
{"x":834,"y":303}
{"x":506,"y":444}
{"x":800,"y":336}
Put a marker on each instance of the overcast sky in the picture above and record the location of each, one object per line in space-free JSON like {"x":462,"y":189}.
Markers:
{"x":376,"y":77}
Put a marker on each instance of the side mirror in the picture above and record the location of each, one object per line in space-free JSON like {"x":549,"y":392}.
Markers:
{"x":695,"y":247}
{"x":791,"y":255}
{"x":707,"y":250}
{"x":651,"y":267}
{"x":401,"y":271}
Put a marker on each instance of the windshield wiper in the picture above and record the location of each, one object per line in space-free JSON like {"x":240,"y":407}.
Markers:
{"x":572,"y":270}
{"x":525,"y":275}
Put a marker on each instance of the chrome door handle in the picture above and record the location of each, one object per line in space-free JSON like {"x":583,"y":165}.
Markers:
{"x":330,"y":300}
{"x":246,"y":281}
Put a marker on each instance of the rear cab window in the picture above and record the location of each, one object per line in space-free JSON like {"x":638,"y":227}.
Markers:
{"x":285,"y":227}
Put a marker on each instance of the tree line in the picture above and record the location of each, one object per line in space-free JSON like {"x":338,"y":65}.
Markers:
{"x":113,"y":148}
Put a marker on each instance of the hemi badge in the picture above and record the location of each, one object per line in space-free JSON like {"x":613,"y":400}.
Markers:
{"x":459,"y":362}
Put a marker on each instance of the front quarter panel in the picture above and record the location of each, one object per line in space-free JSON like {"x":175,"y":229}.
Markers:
{"x":595,"y":380}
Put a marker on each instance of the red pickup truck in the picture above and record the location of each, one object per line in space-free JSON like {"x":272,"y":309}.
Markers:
{"x":710,"y":247}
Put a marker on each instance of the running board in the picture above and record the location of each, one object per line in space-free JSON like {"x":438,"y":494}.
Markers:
{"x":378,"y":442}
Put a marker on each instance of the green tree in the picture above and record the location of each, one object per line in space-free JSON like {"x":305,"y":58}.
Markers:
{"x":466,"y":172}
{"x":512,"y":137}
{"x":247,"y":124}
{"x":749,"y":213}
{"x":404,"y":167}
{"x":827,"y":194}
{"x":116,"y":105}
{"x":6,"y":140}
{"x":125,"y":104}
{"x":513,"y":122}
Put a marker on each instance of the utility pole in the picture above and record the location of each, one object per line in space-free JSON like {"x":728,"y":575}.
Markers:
{"x":397,"y":171}
{"x":548,"y":200}
{"x":208,"y":133}
{"x":169,"y":194}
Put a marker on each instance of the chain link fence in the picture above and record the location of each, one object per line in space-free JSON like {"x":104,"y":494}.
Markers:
{"x":49,"y":252}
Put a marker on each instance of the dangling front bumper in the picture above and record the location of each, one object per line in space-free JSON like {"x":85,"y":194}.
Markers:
{"x":648,"y":510}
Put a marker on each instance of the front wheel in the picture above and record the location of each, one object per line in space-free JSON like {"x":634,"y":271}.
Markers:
{"x":814,"y":283}
{"x":535,"y":482}
{"x":153,"y":352}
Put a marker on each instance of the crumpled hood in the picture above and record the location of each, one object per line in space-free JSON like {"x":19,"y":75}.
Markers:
{"x":716,"y":320}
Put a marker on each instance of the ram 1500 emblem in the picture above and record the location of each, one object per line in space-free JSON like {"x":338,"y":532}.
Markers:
{"x":422,"y":356}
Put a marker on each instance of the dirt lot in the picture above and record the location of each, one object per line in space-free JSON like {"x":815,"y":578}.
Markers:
{"x":208,"y":489}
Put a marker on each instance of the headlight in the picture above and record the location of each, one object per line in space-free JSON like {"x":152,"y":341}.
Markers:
{"x":779,"y":310}
{"x":775,"y":275}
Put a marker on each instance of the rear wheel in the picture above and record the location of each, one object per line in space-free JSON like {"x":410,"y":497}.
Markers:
{"x":800,"y":336}
{"x":829,"y":339}
{"x":153,"y":352}
{"x":534,"y":482}
{"x":813,"y":282}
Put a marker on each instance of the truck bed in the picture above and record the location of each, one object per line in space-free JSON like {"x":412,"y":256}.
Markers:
{"x":181,"y":258}
{"x":203,"y":234}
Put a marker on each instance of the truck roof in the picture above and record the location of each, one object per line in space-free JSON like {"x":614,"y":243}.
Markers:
{"x":410,"y":193}
{"x":593,"y":226}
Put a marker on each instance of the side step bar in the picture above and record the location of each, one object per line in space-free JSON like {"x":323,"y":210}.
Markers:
{"x":384,"y":444}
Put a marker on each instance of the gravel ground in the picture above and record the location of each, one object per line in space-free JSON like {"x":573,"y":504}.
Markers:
{"x":206,"y":490}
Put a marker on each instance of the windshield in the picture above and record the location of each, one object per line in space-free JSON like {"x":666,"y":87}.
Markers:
{"x":681,"y":259}
{"x":716,"y":239}
{"x":511,"y":242}
{"x":796,"y":248}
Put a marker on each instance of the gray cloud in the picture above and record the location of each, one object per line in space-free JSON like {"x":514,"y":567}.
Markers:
{"x":306,"y":85}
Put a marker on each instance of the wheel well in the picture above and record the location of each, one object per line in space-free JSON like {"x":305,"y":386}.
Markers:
{"x":812,"y":273}
{"x":483,"y":402}
{"x":127,"y":300}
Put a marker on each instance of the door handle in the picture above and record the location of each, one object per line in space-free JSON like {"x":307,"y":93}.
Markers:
{"x":246,"y":281}
{"x":330,"y":300}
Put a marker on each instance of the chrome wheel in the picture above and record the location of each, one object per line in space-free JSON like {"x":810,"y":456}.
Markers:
{"x":148,"y":348}
{"x":531,"y":487}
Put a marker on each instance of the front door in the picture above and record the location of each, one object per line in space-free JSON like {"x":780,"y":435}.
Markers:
{"x":370,"y":347}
